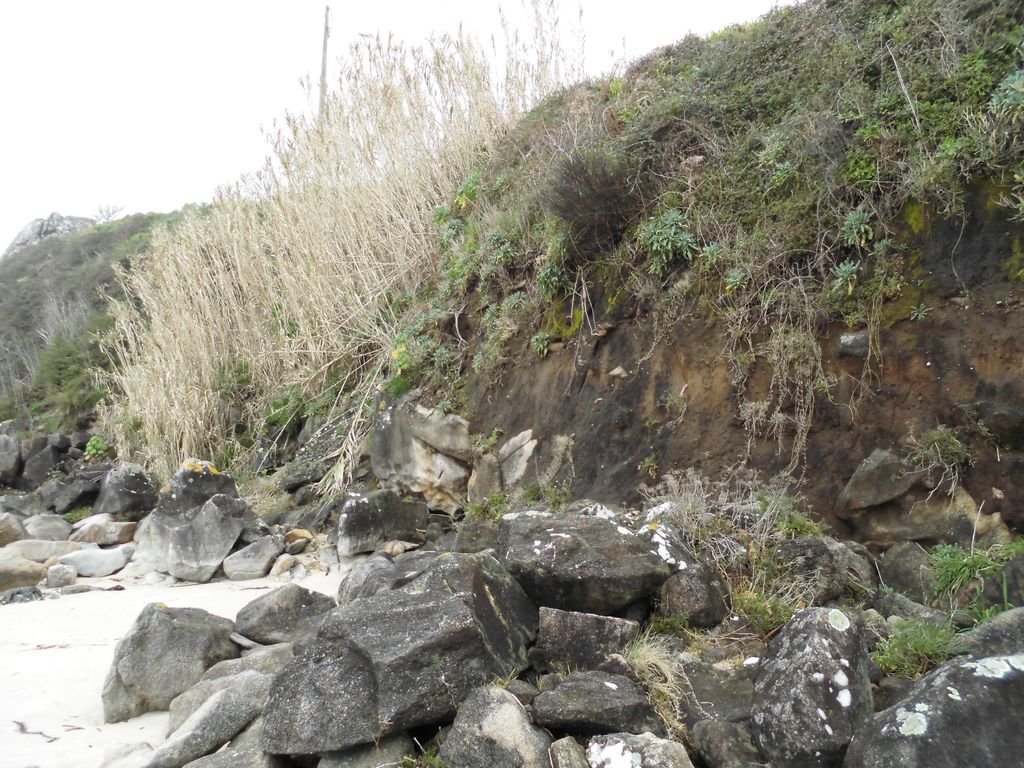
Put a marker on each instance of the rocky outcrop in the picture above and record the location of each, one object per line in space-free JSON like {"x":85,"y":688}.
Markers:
{"x":594,"y":702}
{"x":126,"y":493}
{"x":415,"y":449}
{"x":164,"y":653}
{"x":571,"y":640}
{"x":255,"y":560}
{"x":52,"y":225}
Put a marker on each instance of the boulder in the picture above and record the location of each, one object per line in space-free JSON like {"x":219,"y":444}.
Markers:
{"x":30,"y":446}
{"x":195,"y":483}
{"x":11,"y":529}
{"x":191,"y":543}
{"x":1002,"y":635}
{"x":47,"y":528}
{"x":19,"y":572}
{"x":269,"y":660}
{"x":883,"y":476}
{"x":725,"y":745}
{"x":10,"y":460}
{"x":368,"y":520}
{"x":216,"y":721}
{"x":855,"y":344}
{"x":99,"y":562}
{"x":61,"y":575}
{"x":401,"y":658}
{"x":316,"y":455}
{"x":126,"y":493}
{"x":240,"y":757}
{"x":41,"y":551}
{"x":965,"y":713}
{"x":388,"y":753}
{"x":23,"y":504}
{"x":20,"y":595}
{"x":594,"y":702}
{"x":188,"y":702}
{"x":906,"y":567}
{"x":1007,"y":586}
{"x":102,"y":530}
{"x":492,"y":729}
{"x":164,"y":653}
{"x":828,"y":567}
{"x":578,"y":563}
{"x":64,"y":495}
{"x":890,"y":604}
{"x":289,"y":614}
{"x":812,"y":690}
{"x":934,"y":519}
{"x":722,"y":692}
{"x":567,"y":753}
{"x":571,"y":640}
{"x":38,"y":468}
{"x":255,"y":560}
{"x":1004,"y":421}
{"x":643,"y":750}
{"x":423,"y":451}
{"x":381,"y":572}
{"x":476,"y":536}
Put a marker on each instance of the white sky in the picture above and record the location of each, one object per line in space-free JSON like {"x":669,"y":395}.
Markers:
{"x":151,"y":104}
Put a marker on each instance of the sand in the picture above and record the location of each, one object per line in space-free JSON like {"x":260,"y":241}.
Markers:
{"x":55,"y":653}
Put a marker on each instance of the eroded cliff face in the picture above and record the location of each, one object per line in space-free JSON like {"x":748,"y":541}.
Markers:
{"x":639,"y":400}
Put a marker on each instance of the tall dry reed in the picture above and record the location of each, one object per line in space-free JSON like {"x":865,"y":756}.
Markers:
{"x":289,"y":278}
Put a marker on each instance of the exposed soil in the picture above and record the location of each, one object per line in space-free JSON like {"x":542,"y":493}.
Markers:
{"x":968,"y":349}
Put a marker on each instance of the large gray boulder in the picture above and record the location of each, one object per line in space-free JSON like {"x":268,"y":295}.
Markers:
{"x":492,"y":729}
{"x":636,"y":751}
{"x":164,"y":653}
{"x":190,"y":544}
{"x":66,"y":494}
{"x":424,"y":451}
{"x":965,"y":713}
{"x":41,"y":550}
{"x":571,"y":640}
{"x":594,"y":702}
{"x":18,"y":571}
{"x":47,"y":528}
{"x":387,"y":753}
{"x":11,"y":529}
{"x":289,"y":614}
{"x":255,"y":560}
{"x":103,"y":530}
{"x":883,"y":476}
{"x":268,"y":660}
{"x":216,"y":721}
{"x":725,"y":745}
{"x":578,"y":563}
{"x":812,"y":691}
{"x":906,"y":568}
{"x":368,"y":520}
{"x":126,"y":493}
{"x":10,"y":460}
{"x":99,"y":562}
{"x":401,"y":658}
{"x":1002,"y":635}
{"x":188,"y":702}
{"x":721,"y":692}
{"x":38,"y":468}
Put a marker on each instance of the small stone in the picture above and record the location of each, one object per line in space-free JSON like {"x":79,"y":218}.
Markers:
{"x":60,"y":575}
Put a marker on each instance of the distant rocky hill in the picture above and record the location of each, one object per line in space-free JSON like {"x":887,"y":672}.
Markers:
{"x":38,"y":229}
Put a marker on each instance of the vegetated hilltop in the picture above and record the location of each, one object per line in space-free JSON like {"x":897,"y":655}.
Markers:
{"x":657,"y":267}
{"x":53,"y":304}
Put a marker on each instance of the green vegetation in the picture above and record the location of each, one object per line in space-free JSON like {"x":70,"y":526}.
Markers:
{"x":941,"y":455}
{"x":96,"y":448}
{"x":914,"y":648}
{"x":491,"y":508}
{"x":53,"y":299}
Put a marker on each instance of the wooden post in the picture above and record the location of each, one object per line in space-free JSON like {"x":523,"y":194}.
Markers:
{"x":323,"y":64}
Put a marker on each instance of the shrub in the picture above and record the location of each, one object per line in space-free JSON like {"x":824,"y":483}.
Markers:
{"x":666,"y":240}
{"x":1008,"y":99}
{"x":96,"y":448}
{"x":591,"y":191}
{"x":940,"y":451}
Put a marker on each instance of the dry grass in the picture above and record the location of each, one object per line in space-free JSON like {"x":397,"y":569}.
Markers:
{"x":290,"y":279}
{"x":658,"y":665}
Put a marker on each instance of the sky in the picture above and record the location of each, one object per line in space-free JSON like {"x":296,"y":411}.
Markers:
{"x":146,"y":105}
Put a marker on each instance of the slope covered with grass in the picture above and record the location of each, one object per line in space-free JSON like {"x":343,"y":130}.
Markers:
{"x":769,"y":179}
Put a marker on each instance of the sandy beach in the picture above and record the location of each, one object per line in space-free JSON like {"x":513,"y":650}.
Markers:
{"x":55,"y":653}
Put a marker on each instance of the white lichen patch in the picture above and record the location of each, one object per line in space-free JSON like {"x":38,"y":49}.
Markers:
{"x":821,"y":714}
{"x":828,"y":729}
{"x":997,"y":667}
{"x":612,"y":755}
{"x":624,"y":531}
{"x":922,"y":708}
{"x":751,"y":661}
{"x":817,"y":677}
{"x":844,"y":698}
{"x":613,"y":686}
{"x":839,"y":620}
{"x":953,"y":693}
{"x":841,"y":679}
{"x":911,"y":723}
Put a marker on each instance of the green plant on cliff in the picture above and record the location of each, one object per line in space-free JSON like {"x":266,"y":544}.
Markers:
{"x":914,"y":648}
{"x":941,"y":455}
{"x":667,"y":241}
